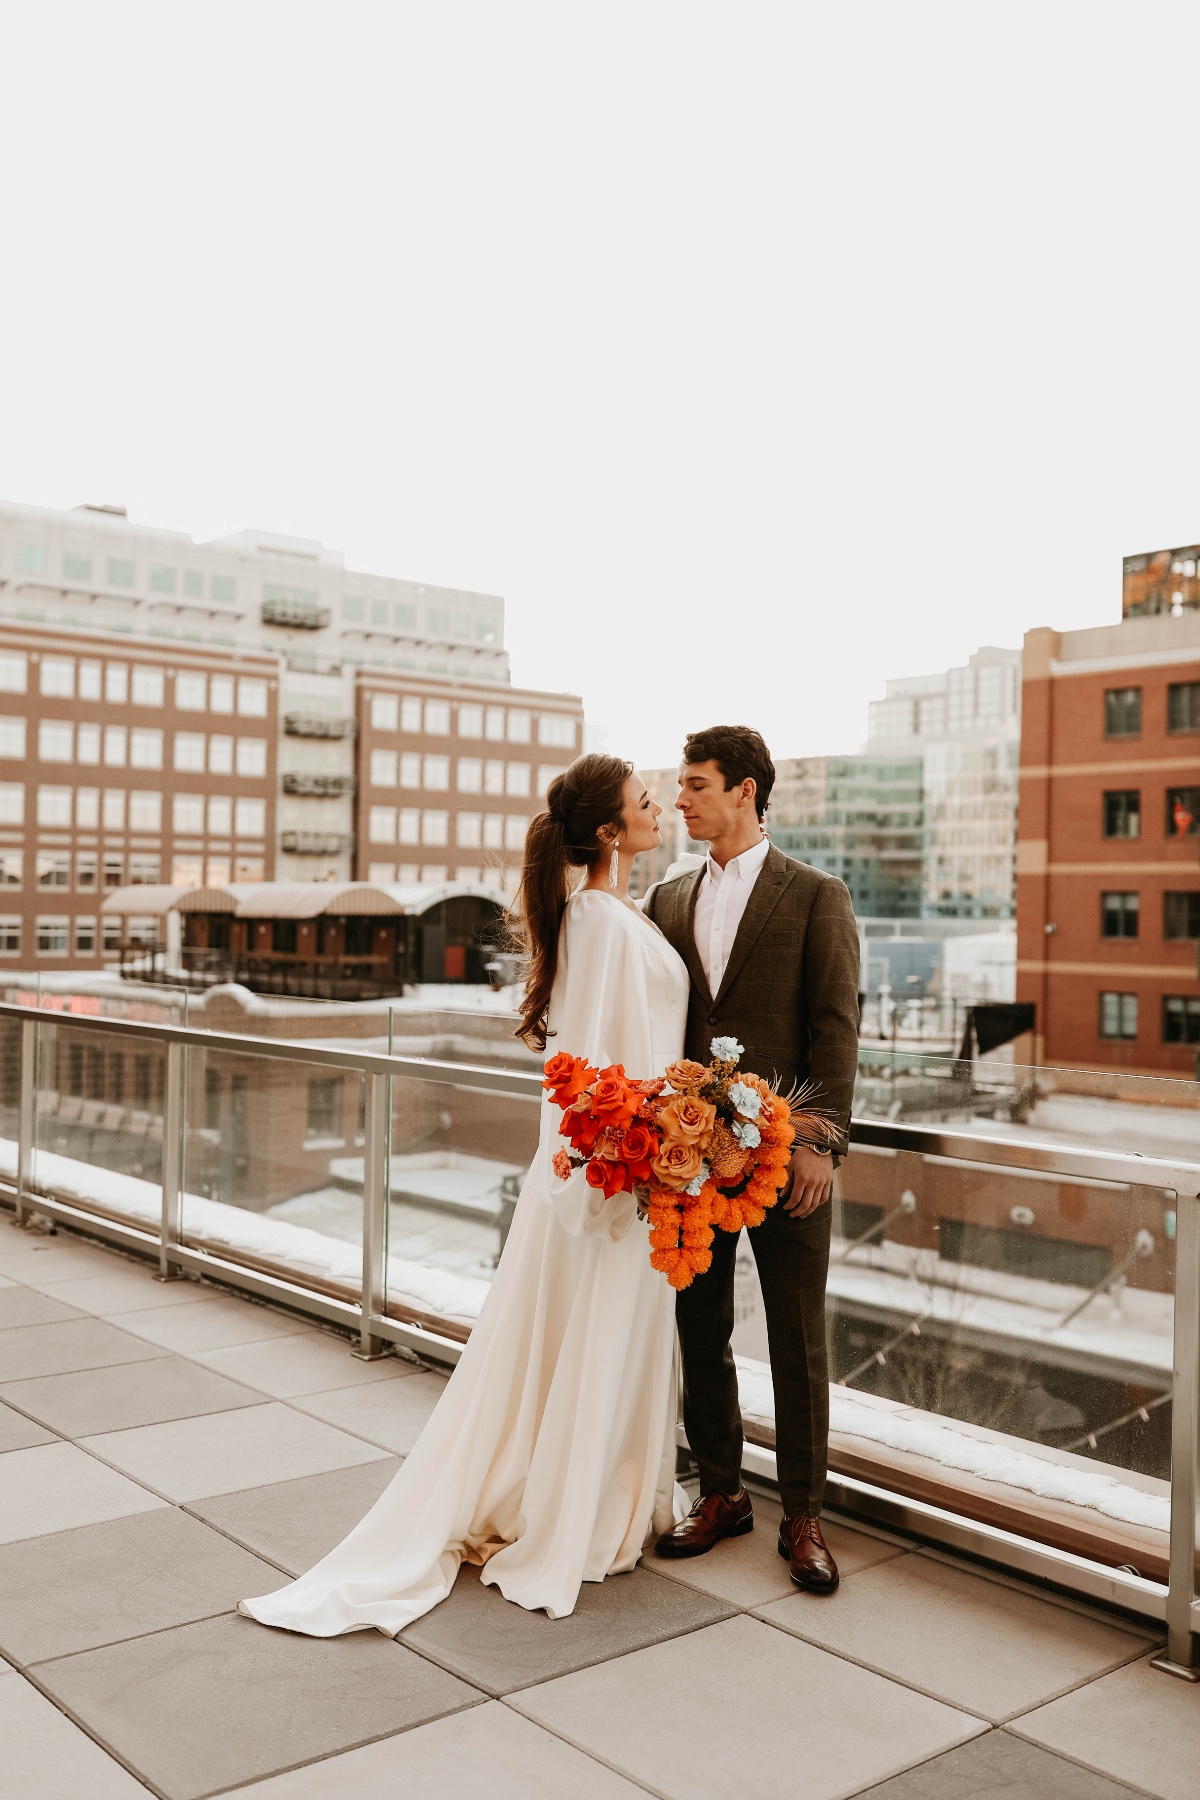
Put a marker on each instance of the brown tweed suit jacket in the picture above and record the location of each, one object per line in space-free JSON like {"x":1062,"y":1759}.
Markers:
{"x":790,"y":988}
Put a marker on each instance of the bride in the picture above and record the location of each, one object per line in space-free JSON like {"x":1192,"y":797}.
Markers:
{"x":551,"y":1454}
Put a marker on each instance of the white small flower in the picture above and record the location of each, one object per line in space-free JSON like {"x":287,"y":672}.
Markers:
{"x":747,"y":1100}
{"x":726,"y":1049}
{"x":747,"y":1135}
{"x":695,"y":1186}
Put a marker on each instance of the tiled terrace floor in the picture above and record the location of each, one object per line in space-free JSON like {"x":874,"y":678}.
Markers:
{"x":167,"y":1448}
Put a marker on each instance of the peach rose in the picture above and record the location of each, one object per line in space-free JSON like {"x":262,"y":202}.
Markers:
{"x":560,"y":1162}
{"x":686,"y":1074}
{"x":687,"y":1119}
{"x":677,"y":1163}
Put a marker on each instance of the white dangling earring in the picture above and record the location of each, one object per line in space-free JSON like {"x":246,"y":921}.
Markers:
{"x":612,"y":868}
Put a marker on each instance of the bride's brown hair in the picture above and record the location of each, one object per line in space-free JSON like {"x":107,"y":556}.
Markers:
{"x":579,"y":803}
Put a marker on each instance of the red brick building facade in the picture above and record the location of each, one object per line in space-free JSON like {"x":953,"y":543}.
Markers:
{"x":1108,"y":870}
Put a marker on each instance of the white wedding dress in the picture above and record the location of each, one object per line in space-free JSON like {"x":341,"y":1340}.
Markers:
{"x":551,"y":1453}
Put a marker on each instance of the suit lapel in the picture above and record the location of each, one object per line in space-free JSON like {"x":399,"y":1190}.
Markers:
{"x":689,"y":891}
{"x":777,"y":873}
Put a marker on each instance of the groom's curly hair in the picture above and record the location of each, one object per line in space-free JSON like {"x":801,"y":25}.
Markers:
{"x":740,"y":753}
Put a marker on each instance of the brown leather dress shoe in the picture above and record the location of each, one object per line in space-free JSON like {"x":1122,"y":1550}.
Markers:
{"x":810,"y":1563}
{"x":713,"y":1517}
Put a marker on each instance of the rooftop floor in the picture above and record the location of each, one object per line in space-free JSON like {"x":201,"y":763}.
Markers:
{"x":165,"y":1449}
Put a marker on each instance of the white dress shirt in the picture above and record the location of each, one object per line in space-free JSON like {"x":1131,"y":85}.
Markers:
{"x":723,"y":898}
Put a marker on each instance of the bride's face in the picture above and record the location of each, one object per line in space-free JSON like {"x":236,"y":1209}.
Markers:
{"x":639,"y":821}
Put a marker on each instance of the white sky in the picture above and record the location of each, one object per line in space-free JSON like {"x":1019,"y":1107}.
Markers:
{"x":754,"y":352}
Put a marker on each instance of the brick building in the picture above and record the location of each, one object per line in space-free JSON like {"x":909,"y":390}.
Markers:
{"x":125,"y":763}
{"x":1108,"y":882}
{"x":450,"y":773}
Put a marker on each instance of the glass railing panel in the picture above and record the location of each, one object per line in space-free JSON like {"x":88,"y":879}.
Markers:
{"x":98,"y":1118}
{"x":10,"y":1097}
{"x":272,"y":1165}
{"x":458,"y":1158}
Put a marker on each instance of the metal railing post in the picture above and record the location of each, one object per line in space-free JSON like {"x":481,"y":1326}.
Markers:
{"x":26,"y":1114}
{"x":171,"y":1226}
{"x":1182,"y":1655}
{"x":376,"y":1131}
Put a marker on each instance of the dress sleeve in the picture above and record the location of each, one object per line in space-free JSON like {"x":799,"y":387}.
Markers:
{"x":600,"y":1010}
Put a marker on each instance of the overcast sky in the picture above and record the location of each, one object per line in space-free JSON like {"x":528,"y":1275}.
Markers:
{"x":755,"y":353}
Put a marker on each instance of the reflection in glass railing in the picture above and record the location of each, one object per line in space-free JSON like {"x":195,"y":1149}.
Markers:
{"x":98,"y":1111}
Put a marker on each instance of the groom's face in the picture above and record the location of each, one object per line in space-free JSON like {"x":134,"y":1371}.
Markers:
{"x":710,"y":810}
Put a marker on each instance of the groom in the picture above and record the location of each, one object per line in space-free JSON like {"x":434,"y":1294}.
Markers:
{"x":772,"y":950}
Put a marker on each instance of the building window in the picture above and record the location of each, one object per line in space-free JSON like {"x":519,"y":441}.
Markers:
{"x":87,"y":809}
{"x":493,"y":831}
{"x":114,"y":869}
{"x":56,"y":741}
{"x":217,"y":874}
{"x":1118,"y":915}
{"x":10,"y":934}
{"x":145,"y":810}
{"x":468,"y":830}
{"x":113,"y":929}
{"x":516,"y":782}
{"x":85,"y":936}
{"x":1123,"y":813}
{"x":193,"y":584}
{"x":381,"y":825}
{"x":87,"y":745}
{"x":58,"y":677}
{"x":220,"y":694}
{"x":437,"y":621}
{"x":116,"y":683}
{"x":379,"y":613}
{"x":410,"y":769}
{"x":546,"y":774}
{"x":1118,"y":1016}
{"x":252,"y":758}
{"x":437,"y":773}
{"x":1181,"y":915}
{"x":470,"y":721}
{"x":410,"y":714}
{"x":1183,"y":706}
{"x":187,"y":814}
{"x":53,"y":869}
{"x":514,"y":832}
{"x":494,"y":724}
{"x":187,"y":871}
{"x":114,"y":809}
{"x":85,"y":872}
{"x":1123,"y":712}
{"x":410,"y":825}
{"x":191,"y":692}
{"x":556,"y":730}
{"x":31,"y":559}
{"x":144,"y":870}
{"x":385,"y":712}
{"x":223,"y":587}
{"x":147,"y":687}
{"x":252,"y":698}
{"x":145,"y":748}
{"x":76,"y":568}
{"x":404,"y":616}
{"x":220,"y":815}
{"x":435,"y":828}
{"x":384,"y":873}
{"x":12,"y":803}
{"x":470,"y":775}
{"x":437,"y":718}
{"x":250,"y":818}
{"x":162,"y":580}
{"x":189,"y":751}
{"x":120,"y":572}
{"x":54,"y":806}
{"x":485,"y":631}
{"x":493,"y":778}
{"x":11,"y":868}
{"x":520,"y":727}
{"x":1183,"y":811}
{"x":52,"y":936}
{"x":354,"y":610}
{"x":115,"y":746}
{"x":383,"y":768}
{"x":91,"y":680}
{"x":12,"y":672}
{"x":324,"y":1119}
{"x":220,"y":755}
{"x":1181,"y":1019}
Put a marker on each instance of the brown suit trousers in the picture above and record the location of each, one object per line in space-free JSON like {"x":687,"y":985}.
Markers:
{"x":790,"y":996}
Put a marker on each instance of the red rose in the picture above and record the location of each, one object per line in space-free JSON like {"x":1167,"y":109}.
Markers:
{"x":613,"y":1100}
{"x":637,"y":1147}
{"x":566,"y":1077}
{"x":607,"y":1175}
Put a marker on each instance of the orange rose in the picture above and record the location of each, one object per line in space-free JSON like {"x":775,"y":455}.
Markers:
{"x":686,"y":1118}
{"x":613,"y":1101}
{"x":566,"y":1077}
{"x":607,"y":1175}
{"x":637,"y":1147}
{"x":677,"y":1164}
{"x":684,"y":1075}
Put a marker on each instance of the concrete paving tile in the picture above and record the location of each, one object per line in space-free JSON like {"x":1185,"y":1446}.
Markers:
{"x":749,"y":1571}
{"x":998,"y":1767}
{"x":46,"y":1757}
{"x":728,"y":1711}
{"x":296,"y":1523}
{"x":209,"y":1324}
{"x":1136,"y":1725}
{"x":221,"y":1702}
{"x":124,"y":1289}
{"x":489,"y":1750}
{"x":143,"y":1393}
{"x":100,"y":1583}
{"x":391,"y":1413}
{"x":54,"y":1487}
{"x":979,"y":1644}
{"x":33,"y":1260}
{"x":289,"y":1366}
{"x":189,"y":1459}
{"x":18,"y":1433}
{"x":79,"y":1343}
{"x":498,"y":1646}
{"x":27,"y":1306}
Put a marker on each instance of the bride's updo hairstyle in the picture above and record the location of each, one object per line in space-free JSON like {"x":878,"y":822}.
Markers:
{"x":579,"y":803}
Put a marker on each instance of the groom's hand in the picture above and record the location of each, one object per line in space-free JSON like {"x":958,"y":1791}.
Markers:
{"x":811,"y":1182}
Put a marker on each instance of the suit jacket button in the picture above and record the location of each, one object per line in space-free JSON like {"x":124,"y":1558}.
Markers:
{"x":712,"y":1018}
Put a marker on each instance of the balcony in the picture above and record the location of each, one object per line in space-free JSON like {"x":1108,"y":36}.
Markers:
{"x":299,"y":614}
{"x":314,"y":843}
{"x":989,"y":1629}
{"x":323,"y":787}
{"x":316,"y":725}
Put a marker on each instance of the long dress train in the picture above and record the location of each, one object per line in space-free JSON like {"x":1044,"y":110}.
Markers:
{"x":551,"y":1453}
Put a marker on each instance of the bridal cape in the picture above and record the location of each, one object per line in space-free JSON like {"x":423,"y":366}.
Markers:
{"x":551,"y":1452}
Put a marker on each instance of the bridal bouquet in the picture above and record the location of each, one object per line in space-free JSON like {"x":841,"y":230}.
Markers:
{"x":701,"y":1146}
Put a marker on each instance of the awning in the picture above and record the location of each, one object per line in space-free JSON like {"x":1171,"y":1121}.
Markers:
{"x":155,"y":900}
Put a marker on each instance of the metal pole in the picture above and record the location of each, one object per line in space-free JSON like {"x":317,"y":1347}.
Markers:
{"x":26,"y":1115}
{"x":1182,"y":1656}
{"x":172,"y":1159}
{"x":374,"y":1236}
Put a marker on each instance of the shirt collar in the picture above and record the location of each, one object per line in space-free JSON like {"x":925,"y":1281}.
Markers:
{"x":745,"y":867}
